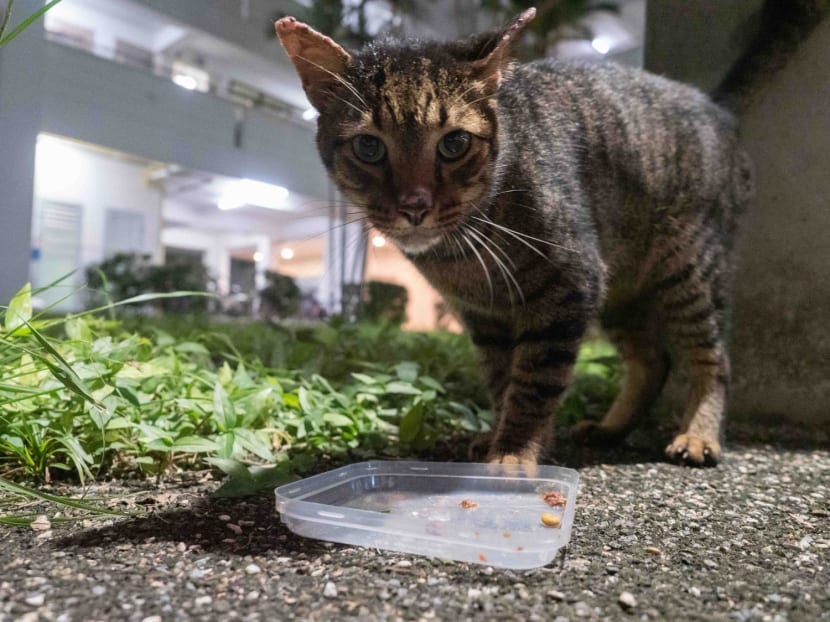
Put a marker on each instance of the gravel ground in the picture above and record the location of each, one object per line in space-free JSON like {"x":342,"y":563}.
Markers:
{"x":749,"y":540}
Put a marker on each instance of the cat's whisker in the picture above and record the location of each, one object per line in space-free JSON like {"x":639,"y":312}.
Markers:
{"x":483,"y":267}
{"x":340,"y":79}
{"x":345,"y":101}
{"x":513,"y":232}
{"x":509,"y":279}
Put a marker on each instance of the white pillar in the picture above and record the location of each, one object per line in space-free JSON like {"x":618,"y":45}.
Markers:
{"x":21,"y":71}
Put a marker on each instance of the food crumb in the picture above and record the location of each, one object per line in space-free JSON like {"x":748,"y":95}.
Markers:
{"x":554,"y":498}
{"x":520,"y":548}
{"x":467,"y":504}
{"x":505,"y":535}
{"x":482,"y":557}
{"x":551,"y":520}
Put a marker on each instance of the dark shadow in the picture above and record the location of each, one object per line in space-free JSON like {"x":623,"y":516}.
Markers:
{"x":256,"y":529}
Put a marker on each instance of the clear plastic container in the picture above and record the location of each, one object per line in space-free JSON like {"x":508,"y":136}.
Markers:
{"x":477,"y":513}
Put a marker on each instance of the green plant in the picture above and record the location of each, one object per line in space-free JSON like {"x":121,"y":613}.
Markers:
{"x":385,"y":302}
{"x":126,"y":275}
{"x":281,"y":296}
{"x":555,"y":20}
{"x":7,"y":13}
{"x":83,"y":396}
{"x":348,"y":22}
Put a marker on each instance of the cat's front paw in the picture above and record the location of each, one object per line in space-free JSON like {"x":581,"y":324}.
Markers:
{"x":529,"y":456}
{"x":693,"y":450}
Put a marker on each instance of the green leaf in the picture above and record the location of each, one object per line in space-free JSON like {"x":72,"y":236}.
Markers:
{"x":407,"y":371}
{"x":195,"y":445}
{"x":402,"y":388}
{"x":19,"y":311}
{"x":337,"y":420}
{"x":411,"y":424}
{"x":78,"y":330}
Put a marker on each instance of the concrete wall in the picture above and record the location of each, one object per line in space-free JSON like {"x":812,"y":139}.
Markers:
{"x":782,"y":307}
{"x":19,"y":125}
{"x":780,"y":341}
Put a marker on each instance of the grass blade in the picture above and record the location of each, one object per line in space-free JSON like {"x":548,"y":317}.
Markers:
{"x":26,"y":23}
{"x":31,"y":493}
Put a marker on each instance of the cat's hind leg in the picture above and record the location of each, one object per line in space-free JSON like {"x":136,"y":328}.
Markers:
{"x":694,"y":304}
{"x":646,"y":367}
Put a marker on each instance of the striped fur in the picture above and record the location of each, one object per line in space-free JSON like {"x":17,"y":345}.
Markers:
{"x":589,"y":192}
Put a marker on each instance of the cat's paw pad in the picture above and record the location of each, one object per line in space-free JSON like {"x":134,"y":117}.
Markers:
{"x":593,"y":433}
{"x":693,"y":450}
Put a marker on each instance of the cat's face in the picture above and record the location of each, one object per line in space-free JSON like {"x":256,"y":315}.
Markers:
{"x":408,"y":132}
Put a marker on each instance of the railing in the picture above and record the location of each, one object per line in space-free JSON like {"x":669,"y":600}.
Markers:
{"x":229,"y":89}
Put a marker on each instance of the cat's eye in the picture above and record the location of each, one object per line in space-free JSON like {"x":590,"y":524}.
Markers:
{"x":368,"y":148}
{"x":454,"y":145}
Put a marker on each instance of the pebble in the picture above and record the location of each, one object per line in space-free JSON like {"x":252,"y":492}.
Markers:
{"x":202,"y":601}
{"x":151,"y":619}
{"x":556,"y":595}
{"x":41,"y":523}
{"x":252,"y":569}
{"x":35,"y":600}
{"x":330,"y":591}
{"x":627,"y":600}
{"x":582,"y":609}
{"x":99,"y":590}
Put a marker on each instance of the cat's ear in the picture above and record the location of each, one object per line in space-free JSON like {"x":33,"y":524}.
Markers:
{"x":317,"y":58}
{"x":493,"y":59}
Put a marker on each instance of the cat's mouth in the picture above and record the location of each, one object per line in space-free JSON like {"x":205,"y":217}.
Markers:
{"x":417,"y":240}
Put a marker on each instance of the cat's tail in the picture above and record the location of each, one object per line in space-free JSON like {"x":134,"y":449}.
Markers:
{"x":785,"y":24}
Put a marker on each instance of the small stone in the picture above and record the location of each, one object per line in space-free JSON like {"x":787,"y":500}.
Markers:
{"x":99,"y":590}
{"x":224,"y":518}
{"x":35,"y":600}
{"x":405,"y":563}
{"x":41,"y":523}
{"x":234,"y":528}
{"x":253,"y":595}
{"x":252,"y":569}
{"x":330,"y":591}
{"x":582,"y":609}
{"x":202,"y":601}
{"x":627,"y":600}
{"x":653,"y":550}
{"x":181,"y":547}
{"x":694,"y":591}
{"x":197,"y":573}
{"x":473,"y":594}
{"x":152,"y":619}
{"x":556,"y":595}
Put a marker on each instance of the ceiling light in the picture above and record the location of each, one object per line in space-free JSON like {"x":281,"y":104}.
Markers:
{"x":287,"y":253}
{"x":601,"y":45}
{"x":249,"y":192}
{"x":378,"y":241}
{"x":258,"y":256}
{"x":185,"y":81}
{"x":310,"y":114}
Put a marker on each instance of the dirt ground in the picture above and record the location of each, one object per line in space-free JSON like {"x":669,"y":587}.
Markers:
{"x":749,"y":540}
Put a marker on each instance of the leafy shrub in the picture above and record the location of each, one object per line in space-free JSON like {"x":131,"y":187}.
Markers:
{"x":281,"y":296}
{"x":126,"y":275}
{"x":258,"y":401}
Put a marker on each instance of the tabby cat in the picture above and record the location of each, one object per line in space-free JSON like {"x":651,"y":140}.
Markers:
{"x":540,"y":197}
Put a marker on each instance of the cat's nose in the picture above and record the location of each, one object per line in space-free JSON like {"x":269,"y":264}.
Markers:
{"x":415,"y":205}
